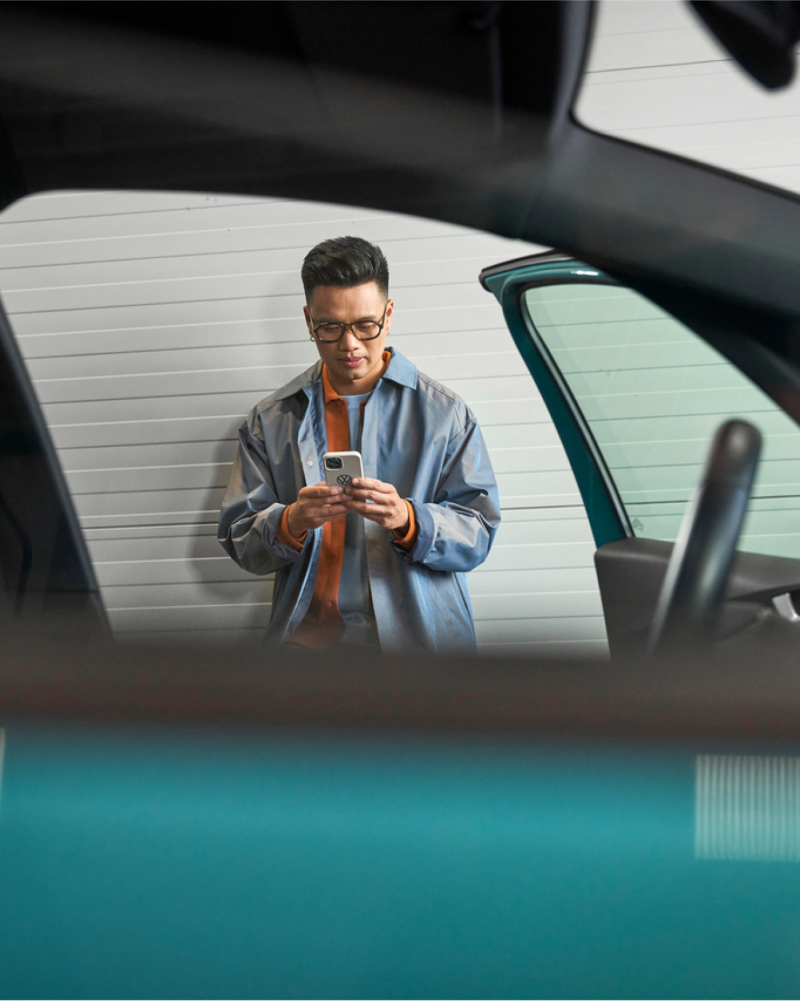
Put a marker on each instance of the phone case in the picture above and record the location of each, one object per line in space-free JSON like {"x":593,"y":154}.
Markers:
{"x":345,"y":473}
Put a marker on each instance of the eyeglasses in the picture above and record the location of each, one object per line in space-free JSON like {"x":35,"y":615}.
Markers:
{"x":363,"y":330}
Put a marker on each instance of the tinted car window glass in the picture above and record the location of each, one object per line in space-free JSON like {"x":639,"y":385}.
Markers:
{"x":653,"y":393}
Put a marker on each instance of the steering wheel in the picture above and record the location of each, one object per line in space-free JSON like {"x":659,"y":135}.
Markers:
{"x":691,"y":596}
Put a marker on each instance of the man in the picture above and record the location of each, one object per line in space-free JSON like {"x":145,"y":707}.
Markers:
{"x":379,"y":563}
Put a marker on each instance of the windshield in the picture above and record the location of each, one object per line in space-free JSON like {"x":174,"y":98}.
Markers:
{"x":152,"y":322}
{"x":657,"y":77}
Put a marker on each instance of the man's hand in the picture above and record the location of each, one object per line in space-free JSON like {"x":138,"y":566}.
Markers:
{"x":314,"y":506}
{"x":387,"y":508}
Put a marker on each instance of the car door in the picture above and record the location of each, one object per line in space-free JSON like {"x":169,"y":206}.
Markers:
{"x":636,"y":397}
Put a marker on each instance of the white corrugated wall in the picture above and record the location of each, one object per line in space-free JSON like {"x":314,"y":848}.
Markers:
{"x":151,"y":323}
{"x":657,"y":77}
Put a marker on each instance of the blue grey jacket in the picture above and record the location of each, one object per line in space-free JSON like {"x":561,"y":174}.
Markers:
{"x":417,"y":435}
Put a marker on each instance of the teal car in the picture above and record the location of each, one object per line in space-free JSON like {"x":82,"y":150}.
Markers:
{"x":189,"y":822}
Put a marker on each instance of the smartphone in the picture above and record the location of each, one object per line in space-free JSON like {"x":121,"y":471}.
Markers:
{"x":341,"y":468}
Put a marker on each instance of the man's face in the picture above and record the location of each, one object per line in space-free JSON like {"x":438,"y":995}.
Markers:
{"x":354,"y":366}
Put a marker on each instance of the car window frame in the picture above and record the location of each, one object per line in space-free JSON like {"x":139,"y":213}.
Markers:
{"x":605,"y":508}
{"x":509,"y":282}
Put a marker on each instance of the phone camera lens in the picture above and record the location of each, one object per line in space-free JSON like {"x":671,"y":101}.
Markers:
{"x":333,"y":463}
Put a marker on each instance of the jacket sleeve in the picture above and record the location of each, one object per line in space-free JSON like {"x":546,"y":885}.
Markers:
{"x":251,"y":514}
{"x":456,"y":530}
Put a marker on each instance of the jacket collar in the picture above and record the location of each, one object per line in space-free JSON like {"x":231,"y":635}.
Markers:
{"x":399,"y":370}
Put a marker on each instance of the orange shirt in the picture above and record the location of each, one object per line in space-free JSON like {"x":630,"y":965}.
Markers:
{"x":323,"y":624}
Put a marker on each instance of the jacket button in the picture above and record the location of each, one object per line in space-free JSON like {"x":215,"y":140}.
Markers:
{"x":311,"y":462}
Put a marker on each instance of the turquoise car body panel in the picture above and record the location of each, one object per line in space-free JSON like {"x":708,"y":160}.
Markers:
{"x":150,"y":862}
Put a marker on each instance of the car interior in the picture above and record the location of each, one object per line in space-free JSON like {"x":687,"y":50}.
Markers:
{"x":201,"y":821}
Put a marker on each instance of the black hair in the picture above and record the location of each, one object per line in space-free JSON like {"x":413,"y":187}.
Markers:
{"x":344,"y":262}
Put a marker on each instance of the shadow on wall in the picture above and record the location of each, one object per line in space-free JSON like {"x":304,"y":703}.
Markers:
{"x":235,"y":600}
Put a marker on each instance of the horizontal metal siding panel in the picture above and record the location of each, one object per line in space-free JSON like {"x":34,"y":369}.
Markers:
{"x":150,"y":456}
{"x":234,"y":286}
{"x":227,"y":380}
{"x":563,"y":569}
{"x":634,"y":33}
{"x":503,"y":389}
{"x":230,"y":218}
{"x":550,"y":532}
{"x":148,"y":362}
{"x":564,"y":649}
{"x":187,"y":546}
{"x":232,"y":330}
{"x":622,"y":18}
{"x":533,"y":489}
{"x":646,"y":48}
{"x":536,"y":607}
{"x":186,"y":475}
{"x":674,"y":88}
{"x":180,"y":639}
{"x":542,"y":555}
{"x":216,"y":239}
{"x":255,"y":591}
{"x":269,"y":304}
{"x":200,"y":383}
{"x":297,"y":351}
{"x":90,"y":204}
{"x":162,"y":585}
{"x":120,"y":533}
{"x":78,"y":430}
{"x":252,"y":593}
{"x":200,"y":617}
{"x":149,"y":503}
{"x":500,"y":441}
{"x":232,"y":406}
{"x":458,"y":249}
{"x":575,"y":514}
{"x":589,"y":628}
{"x":541,"y":580}
{"x":690,"y":101}
{"x":525,"y":489}
{"x":156,"y":479}
{"x":210,"y":569}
